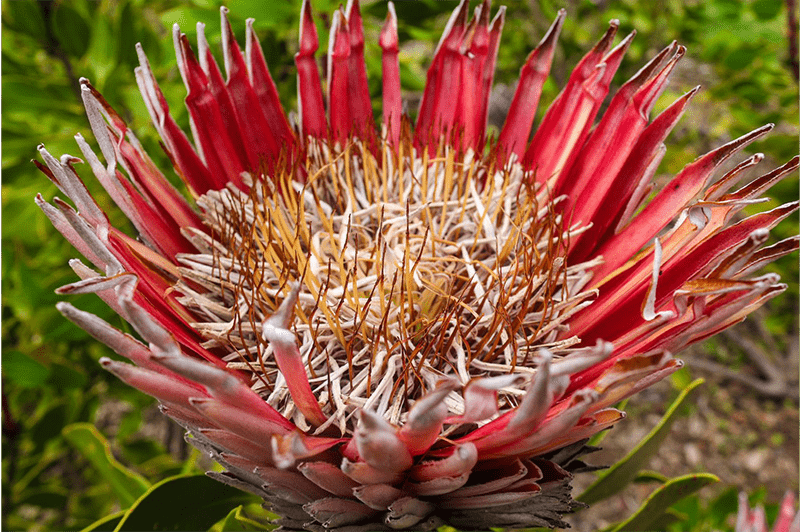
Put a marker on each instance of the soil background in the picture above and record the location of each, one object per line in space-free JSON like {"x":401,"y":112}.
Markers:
{"x":747,"y":440}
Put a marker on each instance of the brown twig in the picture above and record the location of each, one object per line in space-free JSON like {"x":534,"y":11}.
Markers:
{"x":772,"y":379}
{"x":792,"y":38}
{"x":53,"y":48}
{"x":11,"y":431}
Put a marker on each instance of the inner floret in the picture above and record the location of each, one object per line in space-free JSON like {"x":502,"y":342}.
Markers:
{"x":411,"y":270}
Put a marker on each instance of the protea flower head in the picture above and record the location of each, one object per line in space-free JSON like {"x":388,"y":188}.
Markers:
{"x":753,"y":519}
{"x":407,"y":326}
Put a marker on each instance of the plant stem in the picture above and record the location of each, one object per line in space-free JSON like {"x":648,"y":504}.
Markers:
{"x":792,"y":37}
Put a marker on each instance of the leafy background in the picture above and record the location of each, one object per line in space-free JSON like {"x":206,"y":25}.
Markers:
{"x":743,"y":53}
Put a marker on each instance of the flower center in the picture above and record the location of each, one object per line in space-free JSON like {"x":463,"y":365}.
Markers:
{"x":411,"y":270}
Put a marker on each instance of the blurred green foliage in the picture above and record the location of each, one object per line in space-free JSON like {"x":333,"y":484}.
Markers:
{"x":737,"y":50}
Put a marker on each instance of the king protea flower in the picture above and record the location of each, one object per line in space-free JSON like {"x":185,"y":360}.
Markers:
{"x":408,"y":326}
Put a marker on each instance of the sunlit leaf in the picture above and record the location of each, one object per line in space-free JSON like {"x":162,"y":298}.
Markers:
{"x":86,"y":439}
{"x":654,"y":513}
{"x":106,"y":524}
{"x":619,"y":475}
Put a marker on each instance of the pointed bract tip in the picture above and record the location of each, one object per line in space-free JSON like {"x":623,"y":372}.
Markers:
{"x":497,"y":22}
{"x":339,"y":40}
{"x":454,"y":28}
{"x":388,"y":39}
{"x":548,"y":41}
{"x":462,"y":11}
{"x":606,"y":41}
{"x":621,"y":48}
{"x":371,"y":421}
{"x":283,"y":316}
{"x":307,"y":37}
{"x":543,"y":356}
{"x":349,"y":8}
{"x":482,"y":13}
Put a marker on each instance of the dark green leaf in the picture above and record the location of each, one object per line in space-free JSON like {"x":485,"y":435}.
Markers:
{"x":22,"y":370}
{"x":63,"y":377}
{"x":71,"y":30}
{"x":742,"y":57}
{"x":50,"y":496}
{"x":50,"y":424}
{"x":193,"y":502}
{"x":126,"y":36}
{"x":766,"y":9}
{"x":26,"y":17}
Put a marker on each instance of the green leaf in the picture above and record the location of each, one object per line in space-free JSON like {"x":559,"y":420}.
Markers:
{"x":64,"y":377}
{"x":237,"y":521}
{"x":86,"y":439}
{"x":766,"y":9}
{"x":25,"y":16}
{"x":71,"y":30}
{"x":106,"y":524}
{"x":47,"y":496}
{"x":726,"y":504}
{"x":644,"y":477}
{"x":49,"y":425}
{"x":23,"y":371}
{"x":193,"y":502}
{"x":742,"y":57}
{"x":619,"y":475}
{"x":102,"y":51}
{"x":654,"y":514}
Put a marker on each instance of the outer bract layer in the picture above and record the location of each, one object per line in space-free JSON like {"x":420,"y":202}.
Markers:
{"x":405,"y":327}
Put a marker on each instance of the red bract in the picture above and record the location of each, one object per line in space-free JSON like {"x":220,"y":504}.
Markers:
{"x":399,"y":328}
{"x":753,"y":520}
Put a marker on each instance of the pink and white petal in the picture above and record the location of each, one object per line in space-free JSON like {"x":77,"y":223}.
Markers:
{"x":329,"y":477}
{"x":332,"y":512}
{"x":377,"y":496}
{"x":379,"y":444}
{"x":462,"y":460}
{"x":424,"y":424}
{"x":364,"y":473}
{"x":407,"y":512}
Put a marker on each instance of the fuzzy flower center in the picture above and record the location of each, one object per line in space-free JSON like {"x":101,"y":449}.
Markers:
{"x":411,"y":270}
